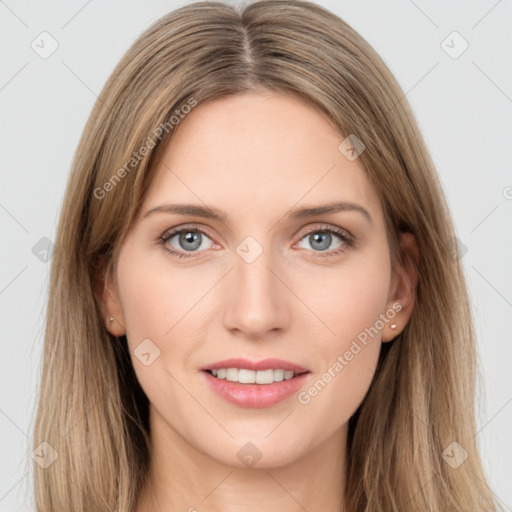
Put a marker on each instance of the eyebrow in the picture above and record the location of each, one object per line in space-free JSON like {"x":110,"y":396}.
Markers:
{"x":297,"y":213}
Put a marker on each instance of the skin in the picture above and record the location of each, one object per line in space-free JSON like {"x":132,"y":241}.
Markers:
{"x":290,"y":303}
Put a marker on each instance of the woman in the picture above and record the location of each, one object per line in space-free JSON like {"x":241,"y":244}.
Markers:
{"x":312,"y":349}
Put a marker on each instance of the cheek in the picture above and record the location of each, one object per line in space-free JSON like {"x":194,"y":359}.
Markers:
{"x":163,"y":314}
{"x":349,"y":360}
{"x":334,"y":395}
{"x":350,"y":303}
{"x":153,"y":299}
{"x":349,"y":298}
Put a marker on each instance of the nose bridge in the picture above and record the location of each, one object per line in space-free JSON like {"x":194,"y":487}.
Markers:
{"x":255,"y":301}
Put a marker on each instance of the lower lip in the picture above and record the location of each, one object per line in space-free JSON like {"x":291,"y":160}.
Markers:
{"x":256,"y":396}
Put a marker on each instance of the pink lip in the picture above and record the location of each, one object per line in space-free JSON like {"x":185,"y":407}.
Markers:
{"x":256,"y":396}
{"x":265,"y":364}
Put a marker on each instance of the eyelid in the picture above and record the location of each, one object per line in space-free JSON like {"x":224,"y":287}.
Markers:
{"x":173,"y":231}
{"x":322,"y":226}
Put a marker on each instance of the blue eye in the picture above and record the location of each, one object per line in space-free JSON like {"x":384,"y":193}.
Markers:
{"x":321,"y":239}
{"x":190,"y":240}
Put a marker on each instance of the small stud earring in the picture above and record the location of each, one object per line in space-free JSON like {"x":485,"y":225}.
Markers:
{"x":111,"y":319}
{"x":393,"y":326}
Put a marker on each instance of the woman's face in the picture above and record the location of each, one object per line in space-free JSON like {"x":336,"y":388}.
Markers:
{"x":264,"y":282}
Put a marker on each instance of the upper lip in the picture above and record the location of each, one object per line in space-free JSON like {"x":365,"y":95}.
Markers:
{"x":270,"y":363}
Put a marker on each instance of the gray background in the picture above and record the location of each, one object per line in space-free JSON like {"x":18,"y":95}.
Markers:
{"x":463,"y":105}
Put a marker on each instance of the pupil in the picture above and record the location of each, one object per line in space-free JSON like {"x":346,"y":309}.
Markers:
{"x":325,"y":236}
{"x":191,"y":237}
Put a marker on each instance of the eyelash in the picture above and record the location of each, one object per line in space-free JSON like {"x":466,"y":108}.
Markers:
{"x":346,"y":238}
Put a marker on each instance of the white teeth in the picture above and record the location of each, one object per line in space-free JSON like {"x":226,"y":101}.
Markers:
{"x":232,"y":374}
{"x":245,"y":376}
{"x":264,"y":376}
{"x":278,"y":375}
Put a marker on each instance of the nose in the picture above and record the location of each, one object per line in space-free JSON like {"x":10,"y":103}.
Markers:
{"x":256,"y":300}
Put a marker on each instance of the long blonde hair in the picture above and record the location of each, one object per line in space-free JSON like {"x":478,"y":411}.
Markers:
{"x":91,"y":409}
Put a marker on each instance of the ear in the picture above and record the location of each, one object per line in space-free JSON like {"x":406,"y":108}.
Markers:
{"x":403,"y":287}
{"x":108,"y":298}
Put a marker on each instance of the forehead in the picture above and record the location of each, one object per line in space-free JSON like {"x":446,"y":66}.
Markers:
{"x":254,"y":153}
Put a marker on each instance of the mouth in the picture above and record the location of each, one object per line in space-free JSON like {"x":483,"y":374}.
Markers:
{"x":255,"y":388}
{"x":255,"y":384}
